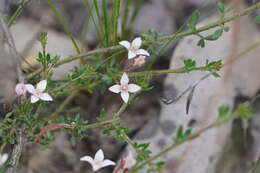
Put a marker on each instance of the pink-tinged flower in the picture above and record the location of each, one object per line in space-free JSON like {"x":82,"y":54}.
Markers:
{"x":139,"y":61}
{"x":124,"y":88}
{"x":3,"y":158}
{"x":37,"y":93}
{"x":98,"y":161}
{"x":134,"y":48}
{"x":126,"y":163}
{"x":20,"y":89}
{"x":129,"y":161}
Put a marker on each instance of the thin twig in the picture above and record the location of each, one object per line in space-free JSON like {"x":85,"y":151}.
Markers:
{"x":17,"y":151}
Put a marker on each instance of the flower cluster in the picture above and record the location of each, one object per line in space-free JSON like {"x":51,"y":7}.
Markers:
{"x":124,"y":88}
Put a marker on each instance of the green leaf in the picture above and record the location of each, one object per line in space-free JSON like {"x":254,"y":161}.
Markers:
{"x":257,"y":18}
{"x":189,"y":64}
{"x":180,"y":132}
{"x":213,"y":64}
{"x":201,"y":43}
{"x":215,"y":35}
{"x":195,"y":17}
{"x":244,"y":111}
{"x":215,"y":74}
{"x":187,"y":133}
{"x":221,"y":7}
{"x":223,"y":111}
{"x":226,"y":28}
{"x":101,"y":115}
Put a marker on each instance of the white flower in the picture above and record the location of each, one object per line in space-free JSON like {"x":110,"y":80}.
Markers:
{"x":129,"y":161}
{"x":134,"y":48}
{"x":124,"y":88}
{"x":20,"y":89}
{"x":3,"y":158}
{"x":37,"y":93}
{"x":98,"y":162}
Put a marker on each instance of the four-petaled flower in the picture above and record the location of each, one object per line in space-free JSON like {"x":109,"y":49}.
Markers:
{"x":37,"y":93}
{"x":134,"y":48}
{"x":124,"y":88}
{"x":20,"y":89}
{"x":98,"y":161}
{"x":3,"y":158}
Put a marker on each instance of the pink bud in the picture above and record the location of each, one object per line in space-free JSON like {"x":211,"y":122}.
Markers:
{"x":20,"y":89}
{"x":139,"y":61}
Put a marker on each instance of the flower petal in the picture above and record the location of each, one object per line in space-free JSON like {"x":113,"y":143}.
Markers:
{"x":124,"y":43}
{"x":41,"y":86}
{"x":34,"y":99}
{"x":99,"y":155}
{"x":133,"y":88}
{"x":87,"y":159}
{"x":20,"y":89}
{"x":124,"y":79}
{"x":125,"y":96}
{"x":96,"y":167}
{"x":131,"y":54}
{"x":30,"y":88}
{"x":107,"y":163}
{"x":136,"y":43}
{"x":142,"y":52}
{"x":129,"y":161}
{"x":115,"y":88}
{"x":3,"y":158}
{"x":46,"y":97}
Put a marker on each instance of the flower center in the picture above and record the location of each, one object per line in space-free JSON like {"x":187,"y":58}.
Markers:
{"x":133,"y":49}
{"x":37,"y":93}
{"x":124,"y":87}
{"x":98,"y":162}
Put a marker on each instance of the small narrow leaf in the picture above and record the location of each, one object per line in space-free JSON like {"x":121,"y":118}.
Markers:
{"x":215,"y":35}
{"x":195,"y":17}
{"x":201,"y":43}
{"x":189,"y":64}
{"x":189,"y":99}
{"x":223,"y":111}
{"x":226,"y":28}
{"x":221,"y":7}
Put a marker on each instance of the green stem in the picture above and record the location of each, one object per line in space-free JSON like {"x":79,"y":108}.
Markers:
{"x":18,"y":12}
{"x":65,"y":26}
{"x":159,"y":72}
{"x":103,"y":123}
